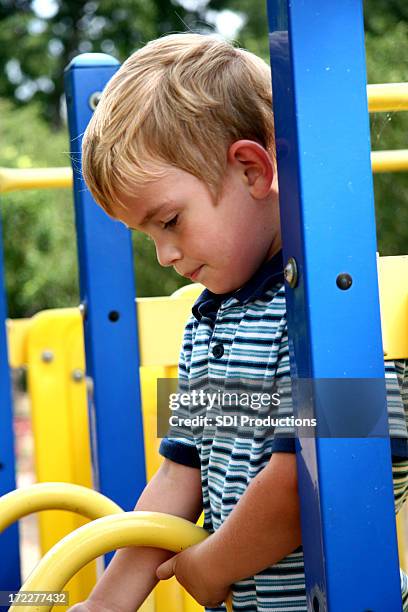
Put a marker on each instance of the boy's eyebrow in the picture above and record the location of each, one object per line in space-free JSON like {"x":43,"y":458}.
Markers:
{"x":150,"y":214}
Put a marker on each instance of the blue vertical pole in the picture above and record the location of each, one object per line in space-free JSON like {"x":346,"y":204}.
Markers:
{"x":328,"y":228}
{"x":9,"y":541}
{"x":108,"y":295}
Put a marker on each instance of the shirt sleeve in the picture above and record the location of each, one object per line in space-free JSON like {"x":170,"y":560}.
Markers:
{"x":180,"y":451}
{"x":179,"y":445}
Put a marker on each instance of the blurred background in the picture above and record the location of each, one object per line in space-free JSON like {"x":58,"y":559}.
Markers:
{"x":38,"y":39}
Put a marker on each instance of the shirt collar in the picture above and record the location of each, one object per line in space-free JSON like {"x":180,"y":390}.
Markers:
{"x":269,"y":274}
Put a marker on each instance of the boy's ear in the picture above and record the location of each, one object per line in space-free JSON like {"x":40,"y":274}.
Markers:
{"x":255,"y":166}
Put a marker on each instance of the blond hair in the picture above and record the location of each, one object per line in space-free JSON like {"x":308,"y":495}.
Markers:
{"x":182,"y":100}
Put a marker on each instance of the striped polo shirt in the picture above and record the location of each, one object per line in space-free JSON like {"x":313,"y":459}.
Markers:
{"x":243,"y":335}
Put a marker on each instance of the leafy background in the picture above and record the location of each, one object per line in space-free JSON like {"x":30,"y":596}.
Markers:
{"x":38,"y":39}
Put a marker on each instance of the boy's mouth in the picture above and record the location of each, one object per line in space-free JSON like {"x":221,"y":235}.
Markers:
{"x":193,"y":275}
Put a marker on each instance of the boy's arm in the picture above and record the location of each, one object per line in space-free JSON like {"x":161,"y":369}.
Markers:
{"x":131,"y":575}
{"x":263,"y":528}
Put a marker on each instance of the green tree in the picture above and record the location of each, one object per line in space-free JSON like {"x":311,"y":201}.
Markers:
{"x":36,"y":49}
{"x":38,"y":226}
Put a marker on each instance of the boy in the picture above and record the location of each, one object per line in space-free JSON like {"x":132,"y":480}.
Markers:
{"x":181,"y":147}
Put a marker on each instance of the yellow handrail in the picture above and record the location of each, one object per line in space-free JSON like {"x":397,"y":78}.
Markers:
{"x":13,"y":179}
{"x":52,"y":496}
{"x":389,"y":161}
{"x":387,"y":97}
{"x":101,"y":536}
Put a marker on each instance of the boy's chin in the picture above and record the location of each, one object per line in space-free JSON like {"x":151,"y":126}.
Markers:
{"x":220,"y":289}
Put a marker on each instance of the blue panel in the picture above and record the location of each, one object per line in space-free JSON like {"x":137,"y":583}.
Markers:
{"x":108,"y":293}
{"x":328,"y":226}
{"x":9,"y":543}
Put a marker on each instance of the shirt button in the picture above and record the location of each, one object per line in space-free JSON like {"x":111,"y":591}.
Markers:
{"x":218,"y":350}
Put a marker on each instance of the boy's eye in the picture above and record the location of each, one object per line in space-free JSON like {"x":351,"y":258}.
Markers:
{"x":171,"y":223}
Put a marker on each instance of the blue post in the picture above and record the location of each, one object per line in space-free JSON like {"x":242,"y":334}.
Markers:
{"x":108,"y":295}
{"x":328,"y":226}
{"x":9,"y":541}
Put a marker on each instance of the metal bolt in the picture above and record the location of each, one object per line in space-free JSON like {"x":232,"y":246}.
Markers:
{"x":291,"y":272}
{"x":344,"y":281}
{"x":94,"y":99}
{"x":89,"y":386}
{"x":47,"y":356}
{"x":77,"y":375}
{"x":83,"y":310}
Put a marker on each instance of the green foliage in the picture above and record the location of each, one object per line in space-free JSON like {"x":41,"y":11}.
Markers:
{"x":38,"y":226}
{"x":36,"y":50}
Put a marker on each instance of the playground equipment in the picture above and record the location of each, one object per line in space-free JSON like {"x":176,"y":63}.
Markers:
{"x":342,"y":240}
{"x":51,"y":347}
{"x":115,"y":530}
{"x":103,"y":535}
{"x":47,"y":495}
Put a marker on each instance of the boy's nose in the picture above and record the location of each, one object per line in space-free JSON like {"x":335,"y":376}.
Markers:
{"x":167,"y":255}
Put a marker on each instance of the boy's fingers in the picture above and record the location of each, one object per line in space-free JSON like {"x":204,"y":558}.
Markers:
{"x":165,"y":570}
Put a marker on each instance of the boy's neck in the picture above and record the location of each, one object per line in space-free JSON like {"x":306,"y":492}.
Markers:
{"x":275,"y":247}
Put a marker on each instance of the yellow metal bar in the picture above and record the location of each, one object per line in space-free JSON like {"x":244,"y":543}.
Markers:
{"x":401,"y":541}
{"x":168,"y":595}
{"x":393,"y":284}
{"x":51,"y":345}
{"x":387,"y":97}
{"x":103,"y":535}
{"x":62,"y":496}
{"x":156,"y":356}
{"x":16,"y":179}
{"x":59,"y":419}
{"x":55,"y":495}
{"x":389,"y":161}
{"x":17,"y":332}
{"x":161,"y":325}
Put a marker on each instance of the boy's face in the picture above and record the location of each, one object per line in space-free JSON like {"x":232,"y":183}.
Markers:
{"x":218,"y":245}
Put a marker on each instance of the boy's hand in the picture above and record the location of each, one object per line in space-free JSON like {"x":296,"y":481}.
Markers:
{"x":195,"y":577}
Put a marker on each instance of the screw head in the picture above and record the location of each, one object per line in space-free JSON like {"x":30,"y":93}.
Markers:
{"x":344,"y":281}
{"x":94,"y":99}
{"x":77,"y":375}
{"x":290,"y":272}
{"x":47,"y":356}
